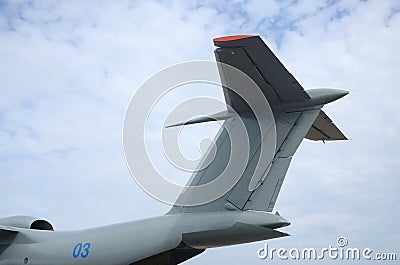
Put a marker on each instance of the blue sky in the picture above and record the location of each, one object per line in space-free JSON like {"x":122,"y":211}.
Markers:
{"x":69,"y":68}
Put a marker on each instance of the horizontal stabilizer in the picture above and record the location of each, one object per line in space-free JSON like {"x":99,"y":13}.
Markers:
{"x":324,"y":129}
{"x":239,"y":233}
{"x":223,"y":115}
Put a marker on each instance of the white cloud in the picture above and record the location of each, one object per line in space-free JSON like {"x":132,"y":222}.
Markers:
{"x":69,"y":69}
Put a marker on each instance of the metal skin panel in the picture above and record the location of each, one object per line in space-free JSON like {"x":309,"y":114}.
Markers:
{"x":239,"y":59}
{"x":241,"y":189}
{"x":264,"y":198}
{"x":284,"y":123}
{"x":275,"y":176}
{"x":297,"y":133}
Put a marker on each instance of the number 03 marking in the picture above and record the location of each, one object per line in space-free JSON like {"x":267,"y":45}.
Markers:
{"x":81,"y":250}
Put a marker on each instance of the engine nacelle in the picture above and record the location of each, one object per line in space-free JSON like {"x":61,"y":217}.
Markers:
{"x":28,"y":222}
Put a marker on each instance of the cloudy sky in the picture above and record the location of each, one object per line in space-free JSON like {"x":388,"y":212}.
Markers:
{"x":69,"y":68}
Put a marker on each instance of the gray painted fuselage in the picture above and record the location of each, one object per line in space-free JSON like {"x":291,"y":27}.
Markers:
{"x":124,"y":243}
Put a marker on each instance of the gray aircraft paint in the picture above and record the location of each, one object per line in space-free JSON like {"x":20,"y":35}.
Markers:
{"x":241,"y":215}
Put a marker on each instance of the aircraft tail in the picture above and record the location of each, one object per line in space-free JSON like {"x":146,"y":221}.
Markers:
{"x":297,"y":114}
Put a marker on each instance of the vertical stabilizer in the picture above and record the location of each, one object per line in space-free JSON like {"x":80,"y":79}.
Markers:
{"x":297,"y":115}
